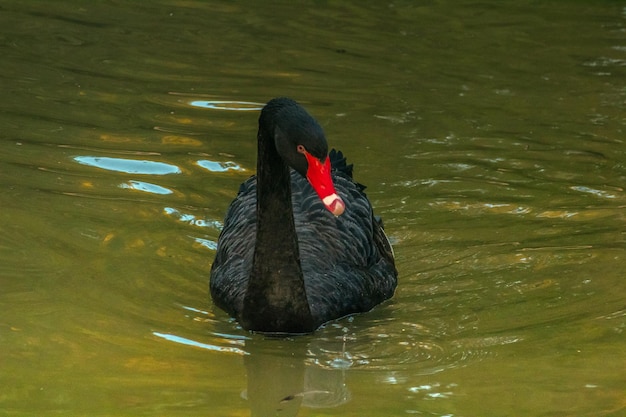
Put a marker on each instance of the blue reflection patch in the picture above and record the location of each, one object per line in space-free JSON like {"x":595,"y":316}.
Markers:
{"x":130,"y":166}
{"x":214,"y":166}
{"x":189,"y":342}
{"x":228,"y":105}
{"x":209,"y":244}
{"x":191,"y":219}
{"x":147,"y":187}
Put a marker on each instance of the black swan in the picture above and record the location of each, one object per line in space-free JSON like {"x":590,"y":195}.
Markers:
{"x":299,"y":246}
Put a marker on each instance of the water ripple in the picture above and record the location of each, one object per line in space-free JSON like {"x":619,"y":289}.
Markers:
{"x":146,"y":187}
{"x":207,"y":346}
{"x":228,"y":105}
{"x":392,"y":346}
{"x":192,"y":219}
{"x":129,"y":166}
{"x":593,"y":191}
{"x":215,"y":166}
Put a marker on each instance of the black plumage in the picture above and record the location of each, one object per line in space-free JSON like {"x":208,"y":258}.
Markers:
{"x":284,"y":262}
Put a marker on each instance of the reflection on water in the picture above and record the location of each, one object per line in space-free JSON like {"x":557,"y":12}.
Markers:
{"x":282,"y":374}
{"x":146,"y":187}
{"x":219,"y":166}
{"x":192,"y":219}
{"x":490,"y":137}
{"x":228,"y":105}
{"x":129,"y":166}
{"x":283,"y":382}
{"x":184,"y":341}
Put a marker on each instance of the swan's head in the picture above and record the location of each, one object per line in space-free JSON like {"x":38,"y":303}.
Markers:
{"x":301,"y":142}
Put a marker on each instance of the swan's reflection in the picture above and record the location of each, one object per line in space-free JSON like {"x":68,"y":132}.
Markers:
{"x":280,"y":380}
{"x":284,"y":374}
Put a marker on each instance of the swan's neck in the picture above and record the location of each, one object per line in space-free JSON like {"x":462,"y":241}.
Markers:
{"x":275,"y":299}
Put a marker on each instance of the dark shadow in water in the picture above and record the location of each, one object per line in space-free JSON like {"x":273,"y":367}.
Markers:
{"x":280,"y":380}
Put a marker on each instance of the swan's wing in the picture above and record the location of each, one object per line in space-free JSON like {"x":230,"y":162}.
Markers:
{"x":235,"y":249}
{"x":346,"y":261}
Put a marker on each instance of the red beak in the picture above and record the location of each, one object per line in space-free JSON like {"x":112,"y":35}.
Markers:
{"x":318,"y":175}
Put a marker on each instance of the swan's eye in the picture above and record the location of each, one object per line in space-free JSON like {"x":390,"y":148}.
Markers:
{"x":301,"y":149}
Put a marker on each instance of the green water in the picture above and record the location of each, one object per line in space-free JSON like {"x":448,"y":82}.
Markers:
{"x":489,"y":134}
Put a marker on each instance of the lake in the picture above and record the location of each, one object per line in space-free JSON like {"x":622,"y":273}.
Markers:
{"x":490,"y":136}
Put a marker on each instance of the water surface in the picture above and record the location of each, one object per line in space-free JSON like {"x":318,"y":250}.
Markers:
{"x":490,"y":136}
